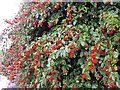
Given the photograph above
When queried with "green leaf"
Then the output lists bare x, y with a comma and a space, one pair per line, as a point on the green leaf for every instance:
88, 85
56, 21
53, 56
92, 47
69, 65
58, 53
115, 54
81, 54
80, 61
49, 60
102, 48
89, 63
74, 23
52, 62
69, 26
63, 41
64, 53
118, 83
80, 15
94, 85
37, 48
83, 43
64, 62
88, 76
67, 49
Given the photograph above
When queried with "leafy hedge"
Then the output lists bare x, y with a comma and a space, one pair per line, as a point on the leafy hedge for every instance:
65, 45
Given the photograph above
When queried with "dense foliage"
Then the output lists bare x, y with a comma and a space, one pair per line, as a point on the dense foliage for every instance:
65, 45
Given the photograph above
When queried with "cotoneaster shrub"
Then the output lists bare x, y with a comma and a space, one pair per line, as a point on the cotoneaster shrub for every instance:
65, 45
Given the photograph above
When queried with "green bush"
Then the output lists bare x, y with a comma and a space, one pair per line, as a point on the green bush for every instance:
65, 45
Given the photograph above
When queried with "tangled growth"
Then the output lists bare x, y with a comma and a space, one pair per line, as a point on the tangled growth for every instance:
65, 45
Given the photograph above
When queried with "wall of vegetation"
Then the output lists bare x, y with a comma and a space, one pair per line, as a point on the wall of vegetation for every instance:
65, 45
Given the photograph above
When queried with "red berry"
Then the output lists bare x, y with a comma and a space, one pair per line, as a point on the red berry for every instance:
58, 41
107, 3
57, 86
93, 56
84, 76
